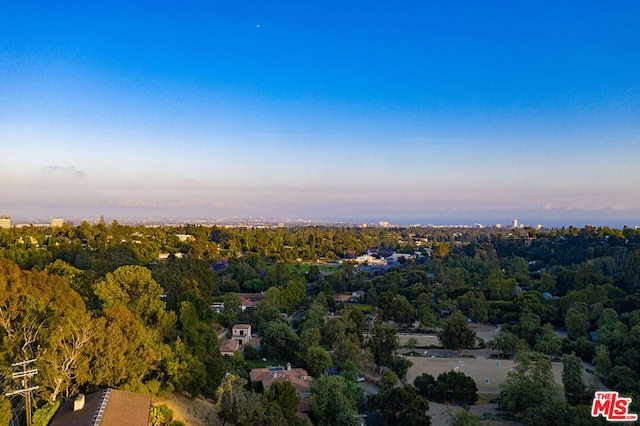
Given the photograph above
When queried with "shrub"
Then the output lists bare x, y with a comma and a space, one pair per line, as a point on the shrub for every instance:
43, 415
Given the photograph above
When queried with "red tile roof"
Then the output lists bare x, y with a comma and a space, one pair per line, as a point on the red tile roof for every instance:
297, 376
228, 346
242, 326
250, 299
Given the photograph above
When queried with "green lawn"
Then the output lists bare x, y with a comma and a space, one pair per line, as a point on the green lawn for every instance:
258, 363
303, 268
362, 307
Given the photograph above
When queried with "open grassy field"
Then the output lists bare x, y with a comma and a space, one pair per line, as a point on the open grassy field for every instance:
303, 268
478, 369
361, 307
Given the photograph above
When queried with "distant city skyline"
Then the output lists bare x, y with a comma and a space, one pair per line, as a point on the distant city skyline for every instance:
349, 112
20, 221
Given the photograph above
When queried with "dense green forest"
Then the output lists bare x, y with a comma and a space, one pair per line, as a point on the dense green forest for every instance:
128, 307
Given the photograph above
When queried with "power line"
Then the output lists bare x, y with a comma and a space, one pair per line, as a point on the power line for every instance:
24, 375
14, 418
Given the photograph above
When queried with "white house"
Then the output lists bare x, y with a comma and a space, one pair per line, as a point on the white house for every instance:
241, 333
371, 260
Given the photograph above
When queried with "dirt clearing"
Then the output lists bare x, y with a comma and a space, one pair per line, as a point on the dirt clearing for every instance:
192, 411
487, 373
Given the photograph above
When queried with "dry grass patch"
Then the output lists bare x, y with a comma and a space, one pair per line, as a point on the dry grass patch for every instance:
487, 373
192, 411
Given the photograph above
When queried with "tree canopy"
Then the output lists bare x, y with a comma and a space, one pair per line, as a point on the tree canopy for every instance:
456, 333
130, 307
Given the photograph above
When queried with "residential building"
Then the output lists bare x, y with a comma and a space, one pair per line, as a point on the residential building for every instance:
371, 260
108, 407
395, 257
217, 307
241, 333
32, 240
358, 296
249, 300
298, 377
165, 256
228, 347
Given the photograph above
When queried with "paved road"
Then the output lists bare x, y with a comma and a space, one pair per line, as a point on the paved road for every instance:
369, 388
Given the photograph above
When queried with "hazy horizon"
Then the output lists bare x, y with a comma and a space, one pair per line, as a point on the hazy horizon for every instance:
579, 221
407, 113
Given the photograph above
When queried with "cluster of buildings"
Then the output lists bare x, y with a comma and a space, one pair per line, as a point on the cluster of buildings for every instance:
372, 258
248, 300
5, 222
112, 407
241, 335
516, 225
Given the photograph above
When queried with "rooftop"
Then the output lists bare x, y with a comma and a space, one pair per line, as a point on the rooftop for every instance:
242, 326
298, 377
229, 346
118, 408
250, 299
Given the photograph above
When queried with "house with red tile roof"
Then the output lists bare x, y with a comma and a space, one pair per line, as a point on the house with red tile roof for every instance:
228, 347
249, 300
298, 377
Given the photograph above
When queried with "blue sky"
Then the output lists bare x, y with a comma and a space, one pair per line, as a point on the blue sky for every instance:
408, 112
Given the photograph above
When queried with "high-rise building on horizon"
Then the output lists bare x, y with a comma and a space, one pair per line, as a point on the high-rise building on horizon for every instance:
515, 223
5, 222
56, 223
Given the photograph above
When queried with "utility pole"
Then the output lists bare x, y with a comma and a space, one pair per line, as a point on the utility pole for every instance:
26, 390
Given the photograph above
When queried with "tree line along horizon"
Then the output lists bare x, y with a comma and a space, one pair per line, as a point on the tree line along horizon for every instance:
97, 308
